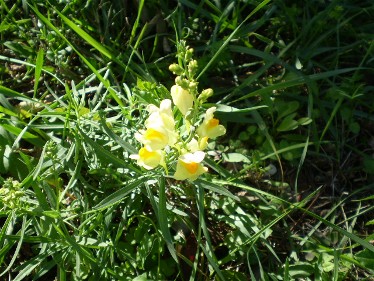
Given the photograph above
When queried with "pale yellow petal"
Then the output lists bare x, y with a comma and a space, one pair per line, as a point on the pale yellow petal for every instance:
149, 159
189, 166
210, 127
162, 120
182, 98
155, 139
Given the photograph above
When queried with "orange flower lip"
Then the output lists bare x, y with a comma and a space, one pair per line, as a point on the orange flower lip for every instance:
191, 167
213, 123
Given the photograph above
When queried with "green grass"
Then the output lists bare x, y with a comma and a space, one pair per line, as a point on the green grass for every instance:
289, 193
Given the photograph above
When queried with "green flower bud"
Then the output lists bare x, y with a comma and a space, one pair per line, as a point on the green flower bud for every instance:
176, 69
184, 83
193, 85
192, 67
189, 54
205, 94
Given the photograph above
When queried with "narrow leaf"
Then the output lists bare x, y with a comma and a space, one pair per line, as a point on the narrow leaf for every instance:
38, 69
226, 42
125, 145
105, 154
120, 194
163, 219
31, 138
216, 188
13, 94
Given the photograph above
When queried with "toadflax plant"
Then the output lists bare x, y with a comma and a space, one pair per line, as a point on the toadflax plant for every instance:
182, 137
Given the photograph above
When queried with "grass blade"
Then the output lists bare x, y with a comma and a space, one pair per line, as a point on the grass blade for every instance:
13, 94
38, 69
227, 41
85, 36
163, 219
18, 248
296, 81
23, 134
208, 249
216, 188
29, 266
98, 46
352, 236
85, 60
21, 62
119, 194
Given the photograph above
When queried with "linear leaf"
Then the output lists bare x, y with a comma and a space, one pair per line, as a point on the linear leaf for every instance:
226, 42
13, 94
120, 194
353, 237
163, 219
27, 267
216, 188
18, 248
105, 154
38, 69
31, 138
296, 81
125, 145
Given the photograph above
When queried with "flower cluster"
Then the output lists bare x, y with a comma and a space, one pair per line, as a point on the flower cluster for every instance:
165, 139
11, 194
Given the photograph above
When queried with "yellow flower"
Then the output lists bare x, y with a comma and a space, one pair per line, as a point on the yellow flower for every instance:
153, 139
189, 166
182, 98
160, 127
210, 127
148, 159
162, 116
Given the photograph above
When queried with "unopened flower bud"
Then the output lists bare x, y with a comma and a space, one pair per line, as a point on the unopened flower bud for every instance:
192, 67
189, 54
178, 80
192, 85
176, 69
184, 83
205, 94
182, 98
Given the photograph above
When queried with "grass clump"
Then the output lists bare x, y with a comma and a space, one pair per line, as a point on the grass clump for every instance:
287, 195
